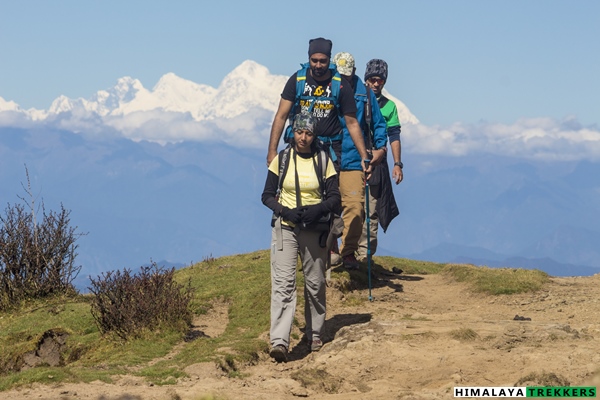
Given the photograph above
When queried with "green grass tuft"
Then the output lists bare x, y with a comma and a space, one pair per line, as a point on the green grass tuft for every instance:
497, 281
409, 267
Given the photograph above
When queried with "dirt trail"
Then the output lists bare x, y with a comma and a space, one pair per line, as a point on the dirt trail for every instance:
420, 337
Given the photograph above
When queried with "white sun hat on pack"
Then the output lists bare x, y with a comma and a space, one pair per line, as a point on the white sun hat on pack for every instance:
344, 62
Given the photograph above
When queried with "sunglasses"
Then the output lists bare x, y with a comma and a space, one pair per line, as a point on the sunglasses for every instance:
378, 81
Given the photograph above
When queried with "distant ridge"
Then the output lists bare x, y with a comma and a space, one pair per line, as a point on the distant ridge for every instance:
451, 253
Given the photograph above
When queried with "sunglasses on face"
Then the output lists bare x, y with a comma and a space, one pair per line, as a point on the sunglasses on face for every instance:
378, 81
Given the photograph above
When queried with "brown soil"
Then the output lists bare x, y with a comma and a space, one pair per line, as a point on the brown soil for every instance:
419, 337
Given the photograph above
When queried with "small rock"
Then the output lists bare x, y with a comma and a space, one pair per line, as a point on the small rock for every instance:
299, 392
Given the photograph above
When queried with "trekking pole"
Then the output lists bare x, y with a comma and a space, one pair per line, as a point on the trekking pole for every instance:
368, 229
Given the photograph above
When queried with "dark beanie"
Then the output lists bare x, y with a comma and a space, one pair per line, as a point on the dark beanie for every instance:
376, 67
319, 45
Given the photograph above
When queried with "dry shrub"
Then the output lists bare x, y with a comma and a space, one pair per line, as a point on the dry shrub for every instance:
464, 334
317, 379
36, 259
128, 304
543, 378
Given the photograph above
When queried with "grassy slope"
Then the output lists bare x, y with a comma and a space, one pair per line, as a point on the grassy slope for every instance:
243, 281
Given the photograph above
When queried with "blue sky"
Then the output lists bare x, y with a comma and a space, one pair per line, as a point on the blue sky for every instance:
450, 61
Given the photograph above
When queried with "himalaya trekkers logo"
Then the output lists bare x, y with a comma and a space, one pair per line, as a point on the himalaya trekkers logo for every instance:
530, 391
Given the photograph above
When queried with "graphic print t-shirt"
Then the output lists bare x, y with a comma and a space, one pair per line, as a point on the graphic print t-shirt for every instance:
324, 110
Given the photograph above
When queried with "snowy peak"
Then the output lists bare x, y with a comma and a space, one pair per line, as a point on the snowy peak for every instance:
62, 104
173, 93
248, 71
103, 102
249, 90
106, 101
124, 91
171, 83
248, 86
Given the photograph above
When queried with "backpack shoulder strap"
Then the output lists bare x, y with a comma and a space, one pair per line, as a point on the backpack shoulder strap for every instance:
284, 163
321, 170
300, 86
368, 109
368, 119
300, 80
336, 84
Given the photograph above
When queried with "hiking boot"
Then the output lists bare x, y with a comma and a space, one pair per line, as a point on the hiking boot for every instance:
279, 353
316, 345
350, 262
336, 259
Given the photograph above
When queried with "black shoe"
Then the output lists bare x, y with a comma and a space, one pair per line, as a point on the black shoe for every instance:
350, 262
279, 353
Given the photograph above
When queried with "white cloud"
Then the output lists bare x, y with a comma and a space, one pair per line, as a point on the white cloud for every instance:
250, 129
530, 138
15, 119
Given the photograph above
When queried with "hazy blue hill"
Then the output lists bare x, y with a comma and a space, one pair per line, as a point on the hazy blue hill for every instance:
546, 264
447, 252
568, 244
136, 205
500, 205
184, 201
585, 176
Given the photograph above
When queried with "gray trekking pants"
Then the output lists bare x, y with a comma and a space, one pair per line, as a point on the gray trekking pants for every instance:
284, 259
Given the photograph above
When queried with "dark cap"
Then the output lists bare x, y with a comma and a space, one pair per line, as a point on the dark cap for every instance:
320, 45
376, 67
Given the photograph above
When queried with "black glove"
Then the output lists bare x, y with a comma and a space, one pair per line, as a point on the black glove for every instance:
312, 214
291, 215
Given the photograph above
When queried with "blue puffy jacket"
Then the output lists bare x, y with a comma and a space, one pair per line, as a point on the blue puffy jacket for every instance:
351, 160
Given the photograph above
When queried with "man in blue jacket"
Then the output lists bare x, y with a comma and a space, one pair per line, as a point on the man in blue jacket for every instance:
352, 178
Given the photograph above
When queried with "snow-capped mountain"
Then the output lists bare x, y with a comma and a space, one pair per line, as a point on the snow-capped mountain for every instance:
248, 86
129, 106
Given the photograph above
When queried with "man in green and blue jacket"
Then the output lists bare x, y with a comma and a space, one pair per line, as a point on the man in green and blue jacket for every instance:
376, 74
